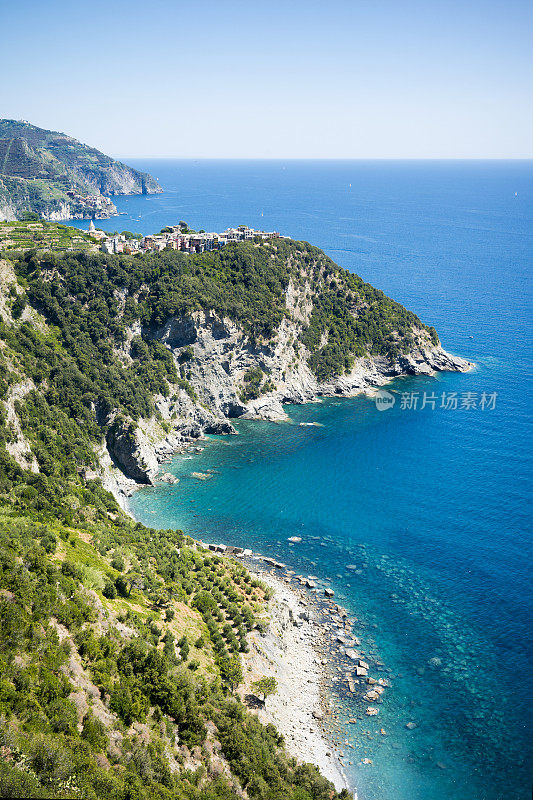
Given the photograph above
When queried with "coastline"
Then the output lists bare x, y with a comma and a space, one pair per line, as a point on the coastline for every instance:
153, 446
287, 651
295, 650
301, 648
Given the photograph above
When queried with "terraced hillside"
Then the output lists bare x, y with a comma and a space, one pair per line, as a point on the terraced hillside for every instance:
38, 168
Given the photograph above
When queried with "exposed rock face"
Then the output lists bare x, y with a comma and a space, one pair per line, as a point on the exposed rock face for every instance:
19, 447
137, 450
60, 163
119, 179
8, 209
215, 355
77, 210
223, 375
131, 452
222, 355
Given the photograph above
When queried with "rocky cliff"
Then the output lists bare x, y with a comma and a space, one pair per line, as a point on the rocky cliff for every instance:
219, 357
158, 350
38, 168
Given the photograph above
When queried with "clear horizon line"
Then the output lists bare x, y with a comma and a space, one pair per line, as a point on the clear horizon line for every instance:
326, 158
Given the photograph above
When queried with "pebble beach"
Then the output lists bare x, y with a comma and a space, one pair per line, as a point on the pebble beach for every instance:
308, 644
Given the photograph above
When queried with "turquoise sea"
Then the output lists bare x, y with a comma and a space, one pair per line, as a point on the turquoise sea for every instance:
432, 505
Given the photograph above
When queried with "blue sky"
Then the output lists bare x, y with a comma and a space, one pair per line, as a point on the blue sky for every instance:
337, 79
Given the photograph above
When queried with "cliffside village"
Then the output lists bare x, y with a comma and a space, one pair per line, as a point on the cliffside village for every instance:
96, 204
177, 237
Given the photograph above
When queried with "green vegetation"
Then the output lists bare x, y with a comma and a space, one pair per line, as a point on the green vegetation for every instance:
254, 386
100, 696
80, 293
119, 644
33, 234
352, 319
265, 686
39, 167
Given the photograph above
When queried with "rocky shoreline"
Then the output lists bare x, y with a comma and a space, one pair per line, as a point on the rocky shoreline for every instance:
132, 455
288, 651
215, 358
309, 647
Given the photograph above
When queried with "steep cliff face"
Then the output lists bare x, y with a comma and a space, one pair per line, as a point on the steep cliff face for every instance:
8, 209
158, 350
220, 357
19, 196
223, 357
38, 167
118, 178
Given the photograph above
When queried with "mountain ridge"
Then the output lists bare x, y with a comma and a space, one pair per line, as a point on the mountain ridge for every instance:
55, 176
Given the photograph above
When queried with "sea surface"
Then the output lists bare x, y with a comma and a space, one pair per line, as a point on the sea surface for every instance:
431, 505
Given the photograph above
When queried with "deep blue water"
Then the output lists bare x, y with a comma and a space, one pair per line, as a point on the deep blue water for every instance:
431, 505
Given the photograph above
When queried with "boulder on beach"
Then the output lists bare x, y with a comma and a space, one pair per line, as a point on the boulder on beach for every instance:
329, 592
295, 539
371, 711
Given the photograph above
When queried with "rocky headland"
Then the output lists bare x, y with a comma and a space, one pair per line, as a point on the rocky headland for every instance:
55, 176
166, 348
219, 357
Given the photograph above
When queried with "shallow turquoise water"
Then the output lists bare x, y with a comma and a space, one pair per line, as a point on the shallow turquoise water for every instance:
431, 505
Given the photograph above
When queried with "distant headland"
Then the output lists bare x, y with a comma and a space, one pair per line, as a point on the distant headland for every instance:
52, 176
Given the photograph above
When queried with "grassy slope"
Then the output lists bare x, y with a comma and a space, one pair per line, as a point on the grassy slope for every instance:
100, 694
